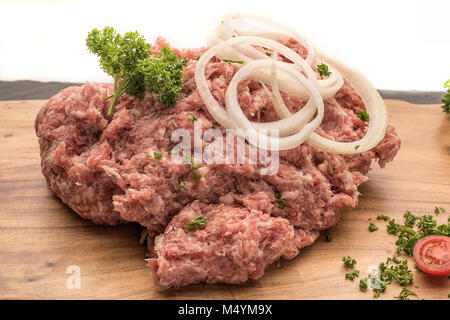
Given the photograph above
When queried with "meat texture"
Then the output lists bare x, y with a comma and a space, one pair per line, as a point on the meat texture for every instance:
104, 169
236, 244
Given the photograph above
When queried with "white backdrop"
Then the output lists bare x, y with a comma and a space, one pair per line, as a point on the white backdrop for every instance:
399, 45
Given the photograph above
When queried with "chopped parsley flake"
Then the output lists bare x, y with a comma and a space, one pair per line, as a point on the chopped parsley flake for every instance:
372, 227
182, 185
363, 115
356, 147
363, 284
197, 222
351, 275
158, 156
281, 205
405, 293
197, 176
193, 118
392, 270
328, 238
277, 195
439, 209
392, 227
268, 54
323, 70
411, 232
195, 166
410, 219
349, 262
383, 217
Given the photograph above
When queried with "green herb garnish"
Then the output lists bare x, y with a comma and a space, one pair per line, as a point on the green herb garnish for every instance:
158, 156
414, 229
439, 209
128, 60
349, 262
197, 222
363, 284
383, 217
392, 227
182, 185
193, 118
397, 270
328, 238
194, 166
351, 275
410, 219
323, 70
197, 175
405, 293
372, 227
281, 205
363, 115
446, 98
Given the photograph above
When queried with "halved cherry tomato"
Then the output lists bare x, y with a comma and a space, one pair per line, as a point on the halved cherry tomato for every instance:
432, 255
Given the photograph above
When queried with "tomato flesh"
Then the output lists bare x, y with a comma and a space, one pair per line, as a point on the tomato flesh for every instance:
432, 255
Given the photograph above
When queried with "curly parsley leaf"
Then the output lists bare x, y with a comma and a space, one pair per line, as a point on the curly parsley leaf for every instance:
128, 60
323, 70
351, 275
372, 227
349, 262
383, 217
363, 115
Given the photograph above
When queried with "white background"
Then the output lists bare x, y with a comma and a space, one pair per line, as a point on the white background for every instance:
399, 45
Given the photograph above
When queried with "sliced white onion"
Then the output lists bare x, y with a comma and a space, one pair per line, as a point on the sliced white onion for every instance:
218, 113
374, 106
226, 31
279, 105
262, 139
296, 128
328, 87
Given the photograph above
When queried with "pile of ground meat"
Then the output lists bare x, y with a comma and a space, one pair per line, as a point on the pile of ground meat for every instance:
100, 166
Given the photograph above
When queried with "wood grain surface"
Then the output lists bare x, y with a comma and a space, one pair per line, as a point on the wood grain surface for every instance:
40, 236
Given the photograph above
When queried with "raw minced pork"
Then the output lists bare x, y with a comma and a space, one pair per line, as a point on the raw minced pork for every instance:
99, 166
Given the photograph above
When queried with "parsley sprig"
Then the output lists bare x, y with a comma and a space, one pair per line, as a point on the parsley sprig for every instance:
128, 60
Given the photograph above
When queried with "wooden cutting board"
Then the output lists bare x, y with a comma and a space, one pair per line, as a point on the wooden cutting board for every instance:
40, 237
